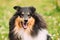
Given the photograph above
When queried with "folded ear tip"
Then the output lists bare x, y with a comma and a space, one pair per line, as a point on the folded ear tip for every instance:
33, 9
17, 7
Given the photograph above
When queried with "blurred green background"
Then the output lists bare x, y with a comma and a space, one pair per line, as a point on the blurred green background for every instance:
49, 9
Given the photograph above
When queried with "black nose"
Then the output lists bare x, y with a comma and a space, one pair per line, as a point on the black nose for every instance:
25, 21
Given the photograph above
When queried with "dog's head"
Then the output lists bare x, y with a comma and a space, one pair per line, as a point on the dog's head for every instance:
24, 19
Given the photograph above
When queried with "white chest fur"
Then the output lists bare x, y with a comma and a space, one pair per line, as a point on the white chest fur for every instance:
42, 35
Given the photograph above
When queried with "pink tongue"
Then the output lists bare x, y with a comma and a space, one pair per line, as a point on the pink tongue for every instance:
25, 26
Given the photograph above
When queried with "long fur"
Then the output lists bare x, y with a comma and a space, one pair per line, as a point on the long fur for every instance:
39, 28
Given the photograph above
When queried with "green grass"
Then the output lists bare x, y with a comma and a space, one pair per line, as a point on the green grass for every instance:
45, 7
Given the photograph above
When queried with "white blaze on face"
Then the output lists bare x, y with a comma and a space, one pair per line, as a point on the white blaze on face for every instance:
26, 17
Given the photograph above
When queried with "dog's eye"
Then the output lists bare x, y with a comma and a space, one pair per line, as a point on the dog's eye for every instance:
21, 15
29, 16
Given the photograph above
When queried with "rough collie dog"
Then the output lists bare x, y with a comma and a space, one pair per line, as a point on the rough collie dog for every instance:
26, 24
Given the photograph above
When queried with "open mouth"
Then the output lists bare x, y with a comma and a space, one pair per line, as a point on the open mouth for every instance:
24, 25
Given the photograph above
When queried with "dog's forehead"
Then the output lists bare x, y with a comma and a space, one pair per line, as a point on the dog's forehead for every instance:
25, 10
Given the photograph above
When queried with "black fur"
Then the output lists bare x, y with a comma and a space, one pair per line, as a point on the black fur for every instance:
39, 22
49, 37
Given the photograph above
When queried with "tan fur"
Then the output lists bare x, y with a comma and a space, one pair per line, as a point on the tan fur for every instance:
30, 24
18, 24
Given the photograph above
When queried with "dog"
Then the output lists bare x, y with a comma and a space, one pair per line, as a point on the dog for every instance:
27, 24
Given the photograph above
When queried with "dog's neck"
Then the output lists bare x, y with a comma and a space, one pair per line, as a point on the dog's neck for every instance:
42, 34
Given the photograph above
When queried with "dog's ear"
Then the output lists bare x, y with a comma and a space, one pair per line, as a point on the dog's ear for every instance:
17, 8
33, 9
